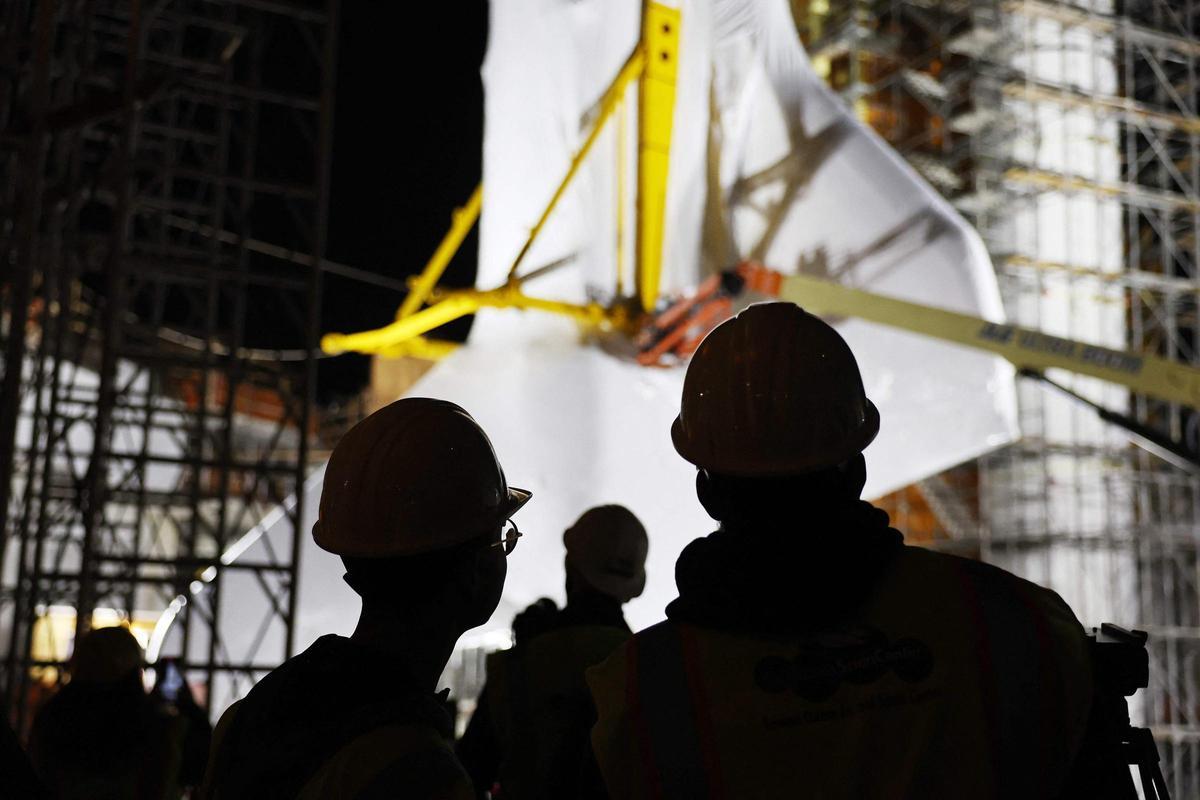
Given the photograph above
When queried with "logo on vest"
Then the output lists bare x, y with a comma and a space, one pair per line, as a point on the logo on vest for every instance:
861, 656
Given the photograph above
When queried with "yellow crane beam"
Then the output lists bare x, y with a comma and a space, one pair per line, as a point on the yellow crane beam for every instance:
1025, 348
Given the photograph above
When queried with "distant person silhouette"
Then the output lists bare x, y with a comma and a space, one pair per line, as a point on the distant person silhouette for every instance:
172, 691
415, 503
529, 734
810, 653
101, 737
17, 777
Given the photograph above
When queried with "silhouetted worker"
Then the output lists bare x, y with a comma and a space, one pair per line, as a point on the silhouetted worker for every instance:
172, 691
101, 737
810, 653
530, 730
17, 777
415, 503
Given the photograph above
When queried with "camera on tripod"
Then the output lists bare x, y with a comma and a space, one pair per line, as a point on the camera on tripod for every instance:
1120, 662
1121, 666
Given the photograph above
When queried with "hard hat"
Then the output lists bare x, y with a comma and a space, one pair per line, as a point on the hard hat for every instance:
608, 546
773, 391
105, 655
416, 476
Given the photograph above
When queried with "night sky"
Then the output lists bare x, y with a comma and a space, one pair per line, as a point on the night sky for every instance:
407, 150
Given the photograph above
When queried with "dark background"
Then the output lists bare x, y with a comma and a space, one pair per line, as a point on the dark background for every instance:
407, 150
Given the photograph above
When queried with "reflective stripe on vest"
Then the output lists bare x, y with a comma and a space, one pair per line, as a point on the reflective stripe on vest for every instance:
675, 731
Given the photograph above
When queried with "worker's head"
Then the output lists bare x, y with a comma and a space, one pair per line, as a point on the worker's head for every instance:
106, 656
606, 553
774, 412
416, 503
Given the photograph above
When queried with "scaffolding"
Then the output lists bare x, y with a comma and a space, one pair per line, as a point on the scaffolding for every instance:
1069, 133
159, 363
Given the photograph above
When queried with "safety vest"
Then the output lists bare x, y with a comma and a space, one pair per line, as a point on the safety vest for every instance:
409, 760
412, 758
541, 709
954, 680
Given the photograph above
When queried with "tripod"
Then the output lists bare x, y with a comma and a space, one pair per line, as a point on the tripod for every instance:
1142, 753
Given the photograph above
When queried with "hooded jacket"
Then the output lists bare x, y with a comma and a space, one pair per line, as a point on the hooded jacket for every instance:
823, 658
338, 721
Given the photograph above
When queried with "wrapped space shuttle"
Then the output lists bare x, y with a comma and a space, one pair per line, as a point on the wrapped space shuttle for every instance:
764, 162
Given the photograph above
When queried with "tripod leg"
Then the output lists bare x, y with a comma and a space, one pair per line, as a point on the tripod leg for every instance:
1149, 790
1160, 783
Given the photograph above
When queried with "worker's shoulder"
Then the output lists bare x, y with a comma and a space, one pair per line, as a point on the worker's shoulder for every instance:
589, 643
398, 759
225, 724
607, 679
990, 582
659, 649
625, 644
220, 733
229, 714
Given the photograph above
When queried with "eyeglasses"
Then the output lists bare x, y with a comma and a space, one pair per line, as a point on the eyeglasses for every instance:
508, 539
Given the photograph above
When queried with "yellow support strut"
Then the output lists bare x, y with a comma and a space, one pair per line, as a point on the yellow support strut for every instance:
461, 223
630, 72
1024, 347
656, 112
654, 62
396, 337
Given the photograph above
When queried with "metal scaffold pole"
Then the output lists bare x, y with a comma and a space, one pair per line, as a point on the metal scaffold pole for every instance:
1069, 133
159, 388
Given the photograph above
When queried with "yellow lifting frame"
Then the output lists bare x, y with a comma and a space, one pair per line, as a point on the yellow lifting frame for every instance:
656, 102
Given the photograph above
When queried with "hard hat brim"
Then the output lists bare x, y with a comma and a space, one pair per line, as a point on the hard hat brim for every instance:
783, 465
517, 498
